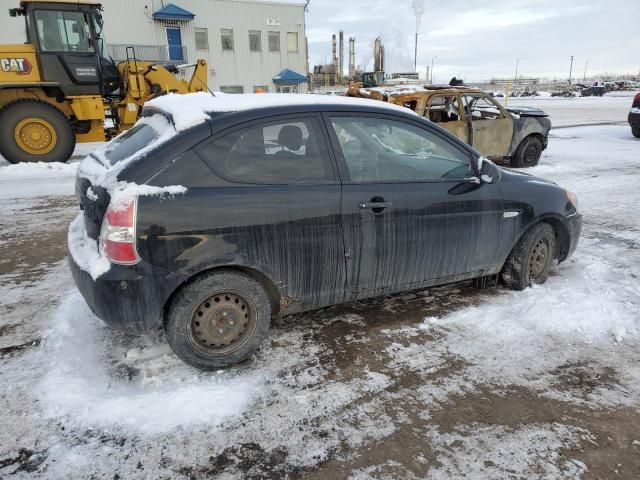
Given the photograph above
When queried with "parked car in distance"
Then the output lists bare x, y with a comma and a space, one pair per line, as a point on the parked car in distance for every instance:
293, 203
515, 134
634, 116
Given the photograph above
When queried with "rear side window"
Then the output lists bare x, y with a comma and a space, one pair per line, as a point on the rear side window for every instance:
281, 152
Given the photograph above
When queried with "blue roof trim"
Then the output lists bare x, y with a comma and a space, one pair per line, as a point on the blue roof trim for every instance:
173, 12
289, 77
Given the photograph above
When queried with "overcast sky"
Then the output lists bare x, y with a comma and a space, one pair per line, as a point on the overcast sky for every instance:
479, 40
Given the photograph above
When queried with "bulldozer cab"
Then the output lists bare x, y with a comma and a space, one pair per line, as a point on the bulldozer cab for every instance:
372, 79
70, 48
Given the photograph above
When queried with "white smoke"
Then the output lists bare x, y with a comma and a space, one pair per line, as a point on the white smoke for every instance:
418, 10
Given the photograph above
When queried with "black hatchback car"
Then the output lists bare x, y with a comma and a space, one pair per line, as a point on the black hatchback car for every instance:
213, 214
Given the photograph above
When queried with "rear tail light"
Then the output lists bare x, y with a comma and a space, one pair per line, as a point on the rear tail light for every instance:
636, 99
118, 234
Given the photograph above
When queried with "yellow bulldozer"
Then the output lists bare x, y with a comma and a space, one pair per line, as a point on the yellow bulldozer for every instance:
61, 86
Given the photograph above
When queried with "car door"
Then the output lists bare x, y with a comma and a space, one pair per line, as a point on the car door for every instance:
279, 210
491, 125
412, 210
447, 112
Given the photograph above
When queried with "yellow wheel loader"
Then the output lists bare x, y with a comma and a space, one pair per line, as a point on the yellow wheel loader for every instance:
60, 87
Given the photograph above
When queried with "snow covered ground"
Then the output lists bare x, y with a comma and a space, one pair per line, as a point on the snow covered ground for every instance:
612, 107
439, 383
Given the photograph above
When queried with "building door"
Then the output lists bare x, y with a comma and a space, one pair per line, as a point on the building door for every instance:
174, 40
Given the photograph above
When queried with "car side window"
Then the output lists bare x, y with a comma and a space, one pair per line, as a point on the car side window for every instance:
280, 152
480, 107
385, 150
444, 108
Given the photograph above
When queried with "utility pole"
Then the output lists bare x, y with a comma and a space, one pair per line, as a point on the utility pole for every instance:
515, 79
584, 77
431, 81
570, 69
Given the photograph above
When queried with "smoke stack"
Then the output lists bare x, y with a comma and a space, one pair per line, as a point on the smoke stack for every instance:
378, 55
334, 58
341, 61
352, 57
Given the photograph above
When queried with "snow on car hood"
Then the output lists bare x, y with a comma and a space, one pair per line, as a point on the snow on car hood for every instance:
191, 109
527, 111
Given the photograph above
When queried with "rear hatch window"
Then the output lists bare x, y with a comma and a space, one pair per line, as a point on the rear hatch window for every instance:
145, 135
131, 142
98, 172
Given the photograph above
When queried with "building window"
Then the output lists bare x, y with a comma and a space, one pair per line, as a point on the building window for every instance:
287, 89
274, 41
202, 39
261, 89
227, 38
255, 45
232, 89
292, 41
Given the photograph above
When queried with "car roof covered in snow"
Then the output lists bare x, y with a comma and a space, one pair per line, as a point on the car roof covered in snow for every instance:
186, 111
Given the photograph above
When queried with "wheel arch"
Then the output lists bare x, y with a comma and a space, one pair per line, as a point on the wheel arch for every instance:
273, 292
563, 239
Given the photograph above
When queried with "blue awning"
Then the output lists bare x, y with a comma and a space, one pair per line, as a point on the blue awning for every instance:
289, 77
173, 12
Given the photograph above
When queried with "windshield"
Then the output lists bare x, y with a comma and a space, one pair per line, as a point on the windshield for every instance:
97, 26
60, 31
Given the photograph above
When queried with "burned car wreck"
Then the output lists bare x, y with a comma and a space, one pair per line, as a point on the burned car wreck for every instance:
517, 135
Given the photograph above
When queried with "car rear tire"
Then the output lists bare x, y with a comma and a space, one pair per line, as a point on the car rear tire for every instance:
636, 131
528, 153
34, 131
218, 320
531, 258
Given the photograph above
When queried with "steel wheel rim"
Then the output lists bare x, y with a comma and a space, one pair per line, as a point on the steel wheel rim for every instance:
530, 154
35, 136
222, 323
538, 260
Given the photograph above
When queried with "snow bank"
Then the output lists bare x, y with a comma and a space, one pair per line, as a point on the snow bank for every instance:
192, 109
37, 170
84, 250
81, 386
25, 180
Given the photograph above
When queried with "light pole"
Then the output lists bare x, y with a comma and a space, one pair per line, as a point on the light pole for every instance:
570, 69
515, 79
432, 59
584, 77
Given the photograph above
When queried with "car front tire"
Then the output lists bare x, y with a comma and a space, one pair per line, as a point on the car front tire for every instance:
530, 260
218, 320
636, 131
528, 153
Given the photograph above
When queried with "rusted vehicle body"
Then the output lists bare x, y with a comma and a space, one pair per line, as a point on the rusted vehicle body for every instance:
518, 134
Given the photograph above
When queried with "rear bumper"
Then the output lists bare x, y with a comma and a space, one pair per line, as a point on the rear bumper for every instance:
634, 119
127, 298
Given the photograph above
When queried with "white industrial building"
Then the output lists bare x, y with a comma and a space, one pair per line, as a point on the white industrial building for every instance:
250, 45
